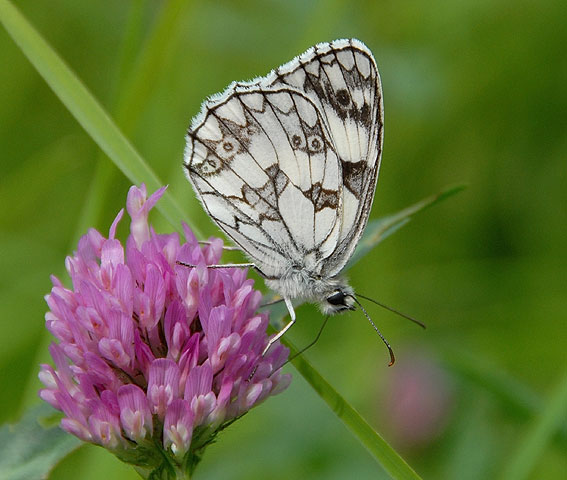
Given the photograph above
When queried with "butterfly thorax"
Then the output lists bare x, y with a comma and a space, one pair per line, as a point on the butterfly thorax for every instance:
333, 295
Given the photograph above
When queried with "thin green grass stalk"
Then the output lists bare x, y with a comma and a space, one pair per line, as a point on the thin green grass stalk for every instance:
105, 170
379, 229
85, 108
137, 87
149, 65
539, 435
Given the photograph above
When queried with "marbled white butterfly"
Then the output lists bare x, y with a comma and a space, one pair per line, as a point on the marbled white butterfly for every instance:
287, 164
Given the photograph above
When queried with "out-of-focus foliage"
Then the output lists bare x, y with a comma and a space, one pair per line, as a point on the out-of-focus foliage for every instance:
474, 92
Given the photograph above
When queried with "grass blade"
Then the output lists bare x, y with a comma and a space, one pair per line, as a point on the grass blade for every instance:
30, 450
539, 434
384, 454
84, 107
378, 230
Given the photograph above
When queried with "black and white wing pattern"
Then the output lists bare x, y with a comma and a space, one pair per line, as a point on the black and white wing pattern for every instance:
287, 164
342, 79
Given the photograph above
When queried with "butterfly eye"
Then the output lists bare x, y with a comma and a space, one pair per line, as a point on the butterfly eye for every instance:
336, 298
315, 143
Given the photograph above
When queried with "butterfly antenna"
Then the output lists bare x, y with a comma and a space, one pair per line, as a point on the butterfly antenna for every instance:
390, 351
393, 310
304, 349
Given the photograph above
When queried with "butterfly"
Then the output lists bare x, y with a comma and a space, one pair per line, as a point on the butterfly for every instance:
287, 164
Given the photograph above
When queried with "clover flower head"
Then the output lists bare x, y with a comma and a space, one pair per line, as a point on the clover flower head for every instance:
151, 352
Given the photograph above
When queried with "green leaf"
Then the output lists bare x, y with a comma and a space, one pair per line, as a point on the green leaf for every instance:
380, 229
85, 108
29, 451
539, 434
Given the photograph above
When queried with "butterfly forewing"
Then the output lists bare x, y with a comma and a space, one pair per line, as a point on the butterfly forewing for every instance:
287, 164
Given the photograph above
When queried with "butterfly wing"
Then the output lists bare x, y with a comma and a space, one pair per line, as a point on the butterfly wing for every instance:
264, 165
342, 80
287, 164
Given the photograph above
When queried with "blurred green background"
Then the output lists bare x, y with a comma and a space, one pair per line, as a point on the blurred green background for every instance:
475, 92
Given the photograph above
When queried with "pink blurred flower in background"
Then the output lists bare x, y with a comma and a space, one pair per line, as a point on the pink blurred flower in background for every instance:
419, 398
153, 358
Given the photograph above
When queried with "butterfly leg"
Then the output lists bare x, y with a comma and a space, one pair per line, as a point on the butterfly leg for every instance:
274, 301
233, 265
274, 339
224, 247
227, 265
222, 265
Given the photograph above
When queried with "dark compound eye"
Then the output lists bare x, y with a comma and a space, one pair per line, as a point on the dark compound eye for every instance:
337, 298
343, 97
